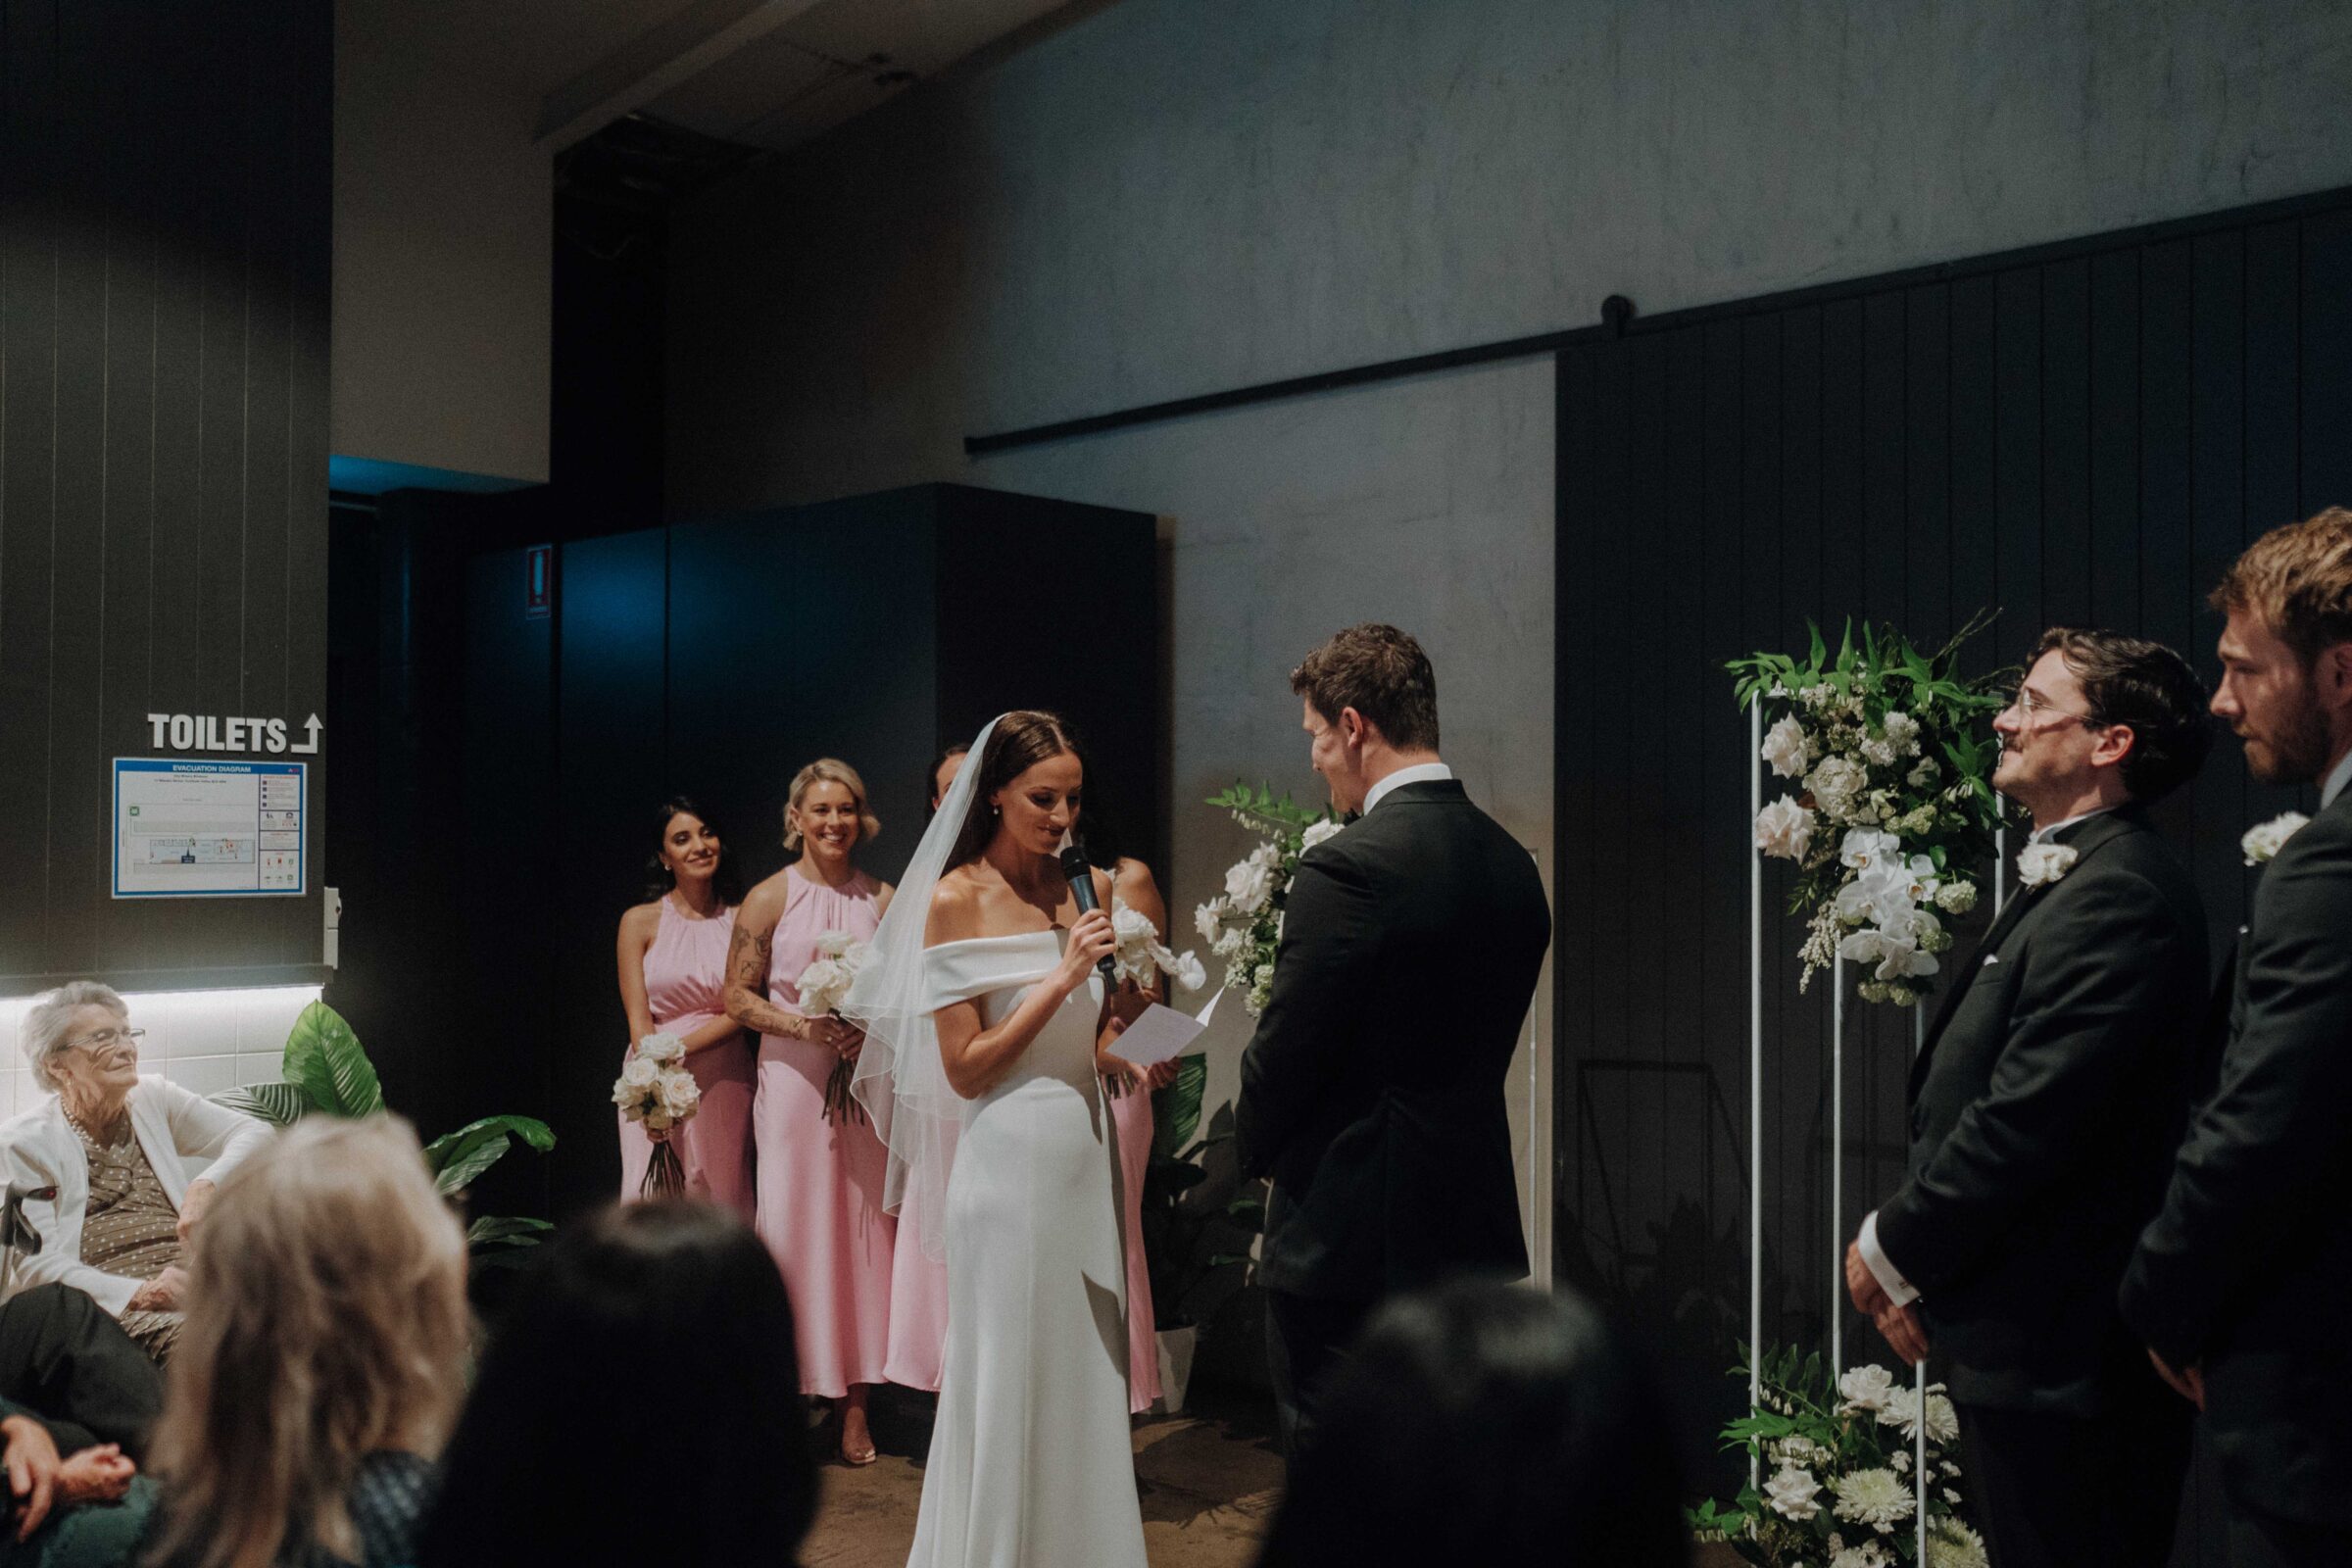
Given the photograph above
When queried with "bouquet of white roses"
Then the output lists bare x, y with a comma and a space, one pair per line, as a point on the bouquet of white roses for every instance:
1893, 801
1835, 1458
1244, 925
823, 985
656, 1089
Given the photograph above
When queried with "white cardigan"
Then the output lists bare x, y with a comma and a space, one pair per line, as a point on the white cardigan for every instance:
172, 1124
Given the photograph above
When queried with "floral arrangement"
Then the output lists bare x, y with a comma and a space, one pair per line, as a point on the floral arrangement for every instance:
657, 1089
1244, 924
1838, 1491
823, 986
2265, 840
1892, 801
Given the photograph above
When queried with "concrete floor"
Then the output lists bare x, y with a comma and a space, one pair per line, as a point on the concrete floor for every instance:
1209, 1482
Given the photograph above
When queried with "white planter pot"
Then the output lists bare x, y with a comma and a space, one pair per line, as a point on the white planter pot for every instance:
1175, 1367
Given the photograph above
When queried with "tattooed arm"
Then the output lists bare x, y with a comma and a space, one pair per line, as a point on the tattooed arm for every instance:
749, 952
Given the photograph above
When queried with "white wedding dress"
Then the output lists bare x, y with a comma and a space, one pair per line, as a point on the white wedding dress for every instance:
1030, 1464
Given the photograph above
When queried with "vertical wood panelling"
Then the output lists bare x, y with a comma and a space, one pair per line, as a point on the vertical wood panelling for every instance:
2087, 437
163, 230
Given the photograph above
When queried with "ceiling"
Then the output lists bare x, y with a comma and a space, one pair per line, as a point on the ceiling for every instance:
767, 73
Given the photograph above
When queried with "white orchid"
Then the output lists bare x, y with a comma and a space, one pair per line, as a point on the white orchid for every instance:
1865, 848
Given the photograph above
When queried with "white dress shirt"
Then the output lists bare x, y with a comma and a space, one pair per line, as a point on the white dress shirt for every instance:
1418, 773
2336, 781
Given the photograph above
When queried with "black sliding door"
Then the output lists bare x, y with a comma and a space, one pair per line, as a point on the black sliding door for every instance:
2086, 434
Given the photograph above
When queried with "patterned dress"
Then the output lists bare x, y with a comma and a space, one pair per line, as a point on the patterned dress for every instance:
131, 1228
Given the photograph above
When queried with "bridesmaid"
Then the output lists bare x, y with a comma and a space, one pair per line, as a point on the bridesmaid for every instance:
918, 1282
673, 964
1132, 884
819, 1177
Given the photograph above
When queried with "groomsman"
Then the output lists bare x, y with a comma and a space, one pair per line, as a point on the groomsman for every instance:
2045, 1110
1372, 1091
2240, 1283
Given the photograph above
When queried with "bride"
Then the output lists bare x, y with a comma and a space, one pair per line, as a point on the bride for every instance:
985, 1026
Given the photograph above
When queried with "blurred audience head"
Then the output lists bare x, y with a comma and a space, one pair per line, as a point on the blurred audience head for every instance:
1486, 1423
640, 1402
689, 846
326, 1323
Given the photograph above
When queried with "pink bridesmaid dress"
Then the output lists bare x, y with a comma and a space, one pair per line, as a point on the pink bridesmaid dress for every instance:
919, 1304
685, 977
819, 1180
1131, 1119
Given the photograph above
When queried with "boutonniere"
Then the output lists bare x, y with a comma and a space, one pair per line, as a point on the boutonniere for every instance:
2264, 841
2041, 864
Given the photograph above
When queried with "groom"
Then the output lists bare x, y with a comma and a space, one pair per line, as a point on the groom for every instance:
1372, 1092
2045, 1107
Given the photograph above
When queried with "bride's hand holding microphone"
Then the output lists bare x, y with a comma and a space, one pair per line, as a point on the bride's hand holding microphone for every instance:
1091, 942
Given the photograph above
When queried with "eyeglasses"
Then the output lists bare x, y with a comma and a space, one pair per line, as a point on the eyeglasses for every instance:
102, 1039
2037, 709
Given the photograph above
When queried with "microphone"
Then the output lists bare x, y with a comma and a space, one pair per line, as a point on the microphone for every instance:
1082, 888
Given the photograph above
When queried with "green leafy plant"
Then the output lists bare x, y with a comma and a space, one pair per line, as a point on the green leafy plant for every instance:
1175, 1221
1893, 812
329, 1074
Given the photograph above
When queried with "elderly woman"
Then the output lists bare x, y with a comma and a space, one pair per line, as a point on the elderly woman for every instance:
114, 1147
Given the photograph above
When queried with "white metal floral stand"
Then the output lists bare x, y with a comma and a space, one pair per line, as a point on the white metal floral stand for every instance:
1755, 1132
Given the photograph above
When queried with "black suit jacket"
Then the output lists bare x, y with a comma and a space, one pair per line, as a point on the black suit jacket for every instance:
1373, 1090
2247, 1267
2045, 1107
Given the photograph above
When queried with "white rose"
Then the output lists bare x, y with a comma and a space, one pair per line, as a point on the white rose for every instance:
661, 1047
1791, 1493
1834, 783
640, 1072
681, 1095
1864, 1388
1318, 833
822, 986
1785, 749
2040, 864
1785, 829
1249, 884
2264, 841
833, 944
1188, 972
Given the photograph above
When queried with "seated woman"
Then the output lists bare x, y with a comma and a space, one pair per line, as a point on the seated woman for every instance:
640, 1403
111, 1148
323, 1360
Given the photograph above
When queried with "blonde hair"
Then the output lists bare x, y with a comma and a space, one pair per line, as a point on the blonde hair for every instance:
2296, 580
830, 771
326, 1322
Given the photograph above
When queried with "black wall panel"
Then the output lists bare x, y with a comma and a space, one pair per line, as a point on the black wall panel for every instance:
715, 658
164, 236
2087, 434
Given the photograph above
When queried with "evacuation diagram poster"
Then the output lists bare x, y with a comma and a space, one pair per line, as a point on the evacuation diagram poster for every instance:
207, 830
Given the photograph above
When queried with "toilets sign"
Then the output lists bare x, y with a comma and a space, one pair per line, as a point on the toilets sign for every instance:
215, 732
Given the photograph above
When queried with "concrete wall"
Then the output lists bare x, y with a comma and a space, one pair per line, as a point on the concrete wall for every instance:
1170, 197
444, 239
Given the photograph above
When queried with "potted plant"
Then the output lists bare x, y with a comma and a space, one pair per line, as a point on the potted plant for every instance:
1179, 1215
326, 1073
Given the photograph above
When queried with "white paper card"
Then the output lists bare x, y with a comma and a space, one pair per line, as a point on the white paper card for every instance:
1159, 1035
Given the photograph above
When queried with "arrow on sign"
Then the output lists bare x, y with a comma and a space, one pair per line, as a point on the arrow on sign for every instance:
314, 727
